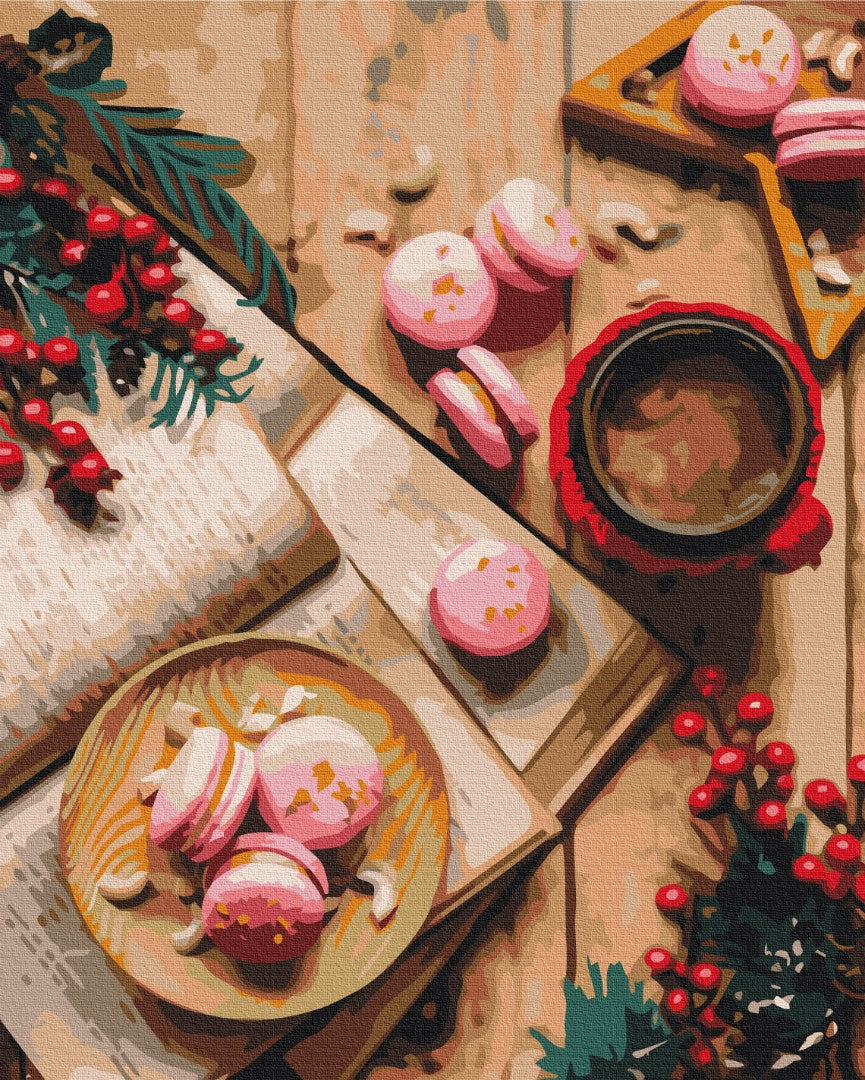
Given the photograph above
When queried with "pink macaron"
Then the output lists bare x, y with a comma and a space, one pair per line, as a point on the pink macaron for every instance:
740, 67
204, 795
319, 781
490, 598
264, 901
835, 154
528, 235
818, 114
437, 291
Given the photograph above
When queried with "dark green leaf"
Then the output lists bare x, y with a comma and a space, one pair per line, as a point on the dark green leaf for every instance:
72, 51
39, 126
181, 386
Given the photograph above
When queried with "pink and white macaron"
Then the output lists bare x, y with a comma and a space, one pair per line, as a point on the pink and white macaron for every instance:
741, 66
437, 291
527, 236
204, 795
490, 598
264, 901
319, 781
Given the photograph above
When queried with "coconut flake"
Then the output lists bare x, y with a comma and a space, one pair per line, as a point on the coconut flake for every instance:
179, 724
817, 46
384, 897
190, 937
829, 271
118, 887
293, 699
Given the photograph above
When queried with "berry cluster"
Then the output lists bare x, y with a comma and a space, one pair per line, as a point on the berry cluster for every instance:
122, 267
841, 871
30, 374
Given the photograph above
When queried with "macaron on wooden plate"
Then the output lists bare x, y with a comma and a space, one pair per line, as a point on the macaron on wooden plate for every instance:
104, 828
638, 94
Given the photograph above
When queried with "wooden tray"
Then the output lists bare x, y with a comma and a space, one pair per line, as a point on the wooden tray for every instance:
103, 827
790, 212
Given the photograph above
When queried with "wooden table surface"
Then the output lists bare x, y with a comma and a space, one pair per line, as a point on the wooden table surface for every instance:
474, 90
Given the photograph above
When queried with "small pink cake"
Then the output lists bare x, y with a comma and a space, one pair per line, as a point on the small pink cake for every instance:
529, 236
264, 902
503, 389
437, 291
490, 598
319, 781
466, 404
204, 795
836, 154
818, 114
740, 67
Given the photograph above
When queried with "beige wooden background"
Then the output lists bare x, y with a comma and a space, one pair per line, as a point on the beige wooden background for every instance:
346, 104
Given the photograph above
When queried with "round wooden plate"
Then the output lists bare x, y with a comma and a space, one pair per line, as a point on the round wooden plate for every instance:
103, 828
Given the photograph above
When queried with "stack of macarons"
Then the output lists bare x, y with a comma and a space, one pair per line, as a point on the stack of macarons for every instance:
821, 139
490, 598
317, 784
441, 290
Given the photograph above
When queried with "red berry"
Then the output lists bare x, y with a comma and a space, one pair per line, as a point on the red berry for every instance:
701, 1053
141, 229
809, 868
11, 465
37, 411
710, 1019
158, 278
705, 798
784, 785
164, 243
60, 351
680, 969
671, 898
676, 1001
105, 302
11, 183
709, 680
658, 960
856, 769
92, 473
103, 221
12, 348
56, 189
859, 888
822, 795
729, 761
843, 850
771, 814
777, 757
208, 342
705, 976
72, 252
182, 313
836, 883
755, 711
688, 725
69, 439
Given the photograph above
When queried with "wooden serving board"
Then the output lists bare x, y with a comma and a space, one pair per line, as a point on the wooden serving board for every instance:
790, 212
210, 533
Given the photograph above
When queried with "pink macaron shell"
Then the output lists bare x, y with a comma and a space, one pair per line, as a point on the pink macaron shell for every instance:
818, 114
185, 793
555, 248
442, 301
499, 262
263, 912
741, 66
470, 418
319, 781
263, 844
221, 825
490, 598
503, 389
823, 156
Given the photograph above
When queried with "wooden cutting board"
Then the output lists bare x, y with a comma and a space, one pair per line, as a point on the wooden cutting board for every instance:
210, 533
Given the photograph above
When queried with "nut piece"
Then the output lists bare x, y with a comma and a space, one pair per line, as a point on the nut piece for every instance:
818, 45
150, 784
294, 698
384, 898
844, 55
638, 87
817, 243
190, 937
118, 886
614, 216
179, 723
829, 271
